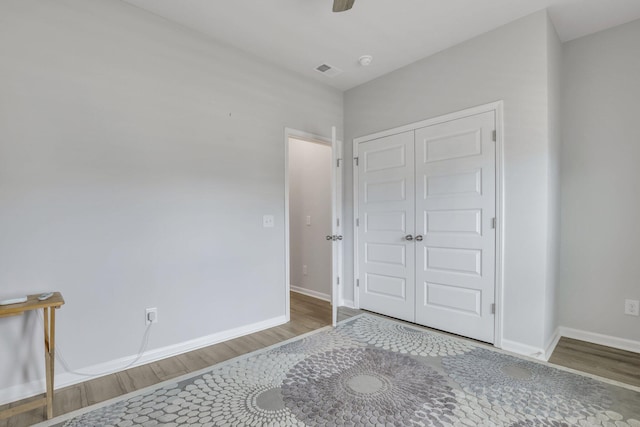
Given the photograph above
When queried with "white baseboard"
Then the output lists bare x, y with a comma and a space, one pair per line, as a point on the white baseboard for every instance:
348, 303
551, 344
601, 339
523, 349
562, 331
311, 293
65, 379
22, 391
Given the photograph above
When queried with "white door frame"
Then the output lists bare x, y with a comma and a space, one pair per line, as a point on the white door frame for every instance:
498, 108
337, 224
304, 136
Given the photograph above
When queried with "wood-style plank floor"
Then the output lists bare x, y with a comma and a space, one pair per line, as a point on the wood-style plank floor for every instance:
607, 362
307, 314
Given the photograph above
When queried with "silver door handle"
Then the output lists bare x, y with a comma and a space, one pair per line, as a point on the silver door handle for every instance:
338, 237
408, 237
419, 238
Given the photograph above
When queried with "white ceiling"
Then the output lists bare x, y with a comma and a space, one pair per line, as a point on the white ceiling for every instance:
302, 34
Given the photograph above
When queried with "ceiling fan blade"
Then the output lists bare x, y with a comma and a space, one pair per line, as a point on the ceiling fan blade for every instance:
342, 5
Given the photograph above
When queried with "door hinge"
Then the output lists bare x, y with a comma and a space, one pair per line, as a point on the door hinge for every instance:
493, 222
357, 283
493, 309
494, 135
338, 280
357, 161
357, 222
338, 162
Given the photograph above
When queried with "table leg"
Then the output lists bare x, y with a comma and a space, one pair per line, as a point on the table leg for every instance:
49, 355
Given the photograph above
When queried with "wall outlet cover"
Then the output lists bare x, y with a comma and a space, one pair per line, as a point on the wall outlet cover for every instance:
632, 307
268, 221
150, 316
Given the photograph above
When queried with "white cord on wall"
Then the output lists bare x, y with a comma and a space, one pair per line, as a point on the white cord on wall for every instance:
141, 351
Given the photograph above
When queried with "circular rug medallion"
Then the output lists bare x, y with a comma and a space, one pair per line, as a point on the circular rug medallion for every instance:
362, 387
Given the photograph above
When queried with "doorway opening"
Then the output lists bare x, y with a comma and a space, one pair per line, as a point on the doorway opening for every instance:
310, 218
326, 235
308, 221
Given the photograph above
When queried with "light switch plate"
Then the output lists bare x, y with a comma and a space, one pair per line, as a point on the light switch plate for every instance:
268, 221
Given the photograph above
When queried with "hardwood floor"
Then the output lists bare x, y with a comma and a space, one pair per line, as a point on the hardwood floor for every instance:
307, 314
607, 362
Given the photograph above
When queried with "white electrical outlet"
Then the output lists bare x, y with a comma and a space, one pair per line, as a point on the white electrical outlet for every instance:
304, 270
268, 221
150, 316
632, 307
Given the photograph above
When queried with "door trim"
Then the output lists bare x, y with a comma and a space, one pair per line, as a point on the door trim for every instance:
498, 108
337, 224
305, 136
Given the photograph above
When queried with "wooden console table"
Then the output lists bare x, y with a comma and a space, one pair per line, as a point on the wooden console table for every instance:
49, 307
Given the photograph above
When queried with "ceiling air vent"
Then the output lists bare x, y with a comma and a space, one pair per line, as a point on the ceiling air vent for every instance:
328, 70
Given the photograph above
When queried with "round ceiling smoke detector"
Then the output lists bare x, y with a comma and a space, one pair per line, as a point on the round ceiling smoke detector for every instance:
365, 60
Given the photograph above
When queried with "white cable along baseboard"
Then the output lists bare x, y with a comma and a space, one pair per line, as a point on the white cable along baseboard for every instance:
65, 379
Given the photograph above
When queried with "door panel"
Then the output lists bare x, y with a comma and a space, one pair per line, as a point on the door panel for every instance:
452, 146
385, 191
453, 298
385, 158
455, 206
385, 221
466, 182
385, 253
452, 260
386, 286
461, 221
387, 210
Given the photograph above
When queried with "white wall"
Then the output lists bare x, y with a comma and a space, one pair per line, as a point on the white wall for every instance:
310, 195
600, 180
510, 64
554, 82
136, 161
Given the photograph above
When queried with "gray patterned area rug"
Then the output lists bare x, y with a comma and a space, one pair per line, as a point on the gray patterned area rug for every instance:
373, 371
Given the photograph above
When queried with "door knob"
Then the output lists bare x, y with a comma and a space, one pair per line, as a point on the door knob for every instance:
329, 237
419, 238
339, 237
408, 237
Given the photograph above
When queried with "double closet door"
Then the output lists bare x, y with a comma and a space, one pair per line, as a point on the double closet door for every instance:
426, 226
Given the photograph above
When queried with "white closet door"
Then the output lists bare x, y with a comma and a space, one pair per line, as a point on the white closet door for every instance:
455, 209
387, 209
